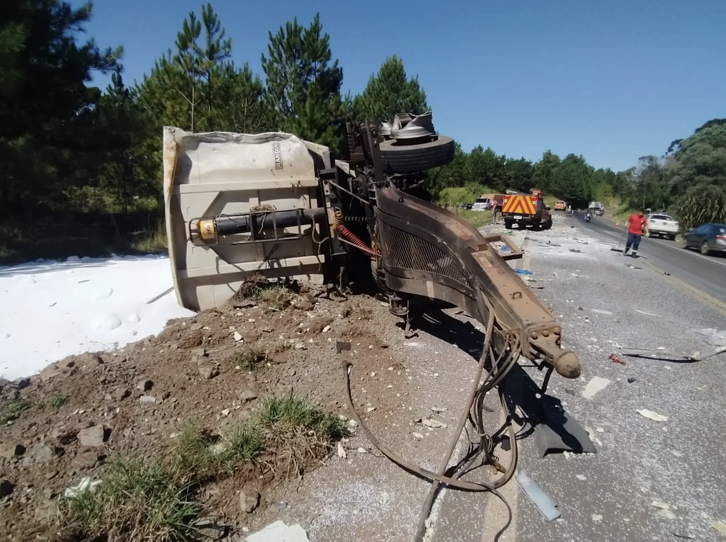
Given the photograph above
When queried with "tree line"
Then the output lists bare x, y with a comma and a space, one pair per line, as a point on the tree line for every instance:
69, 149
66, 146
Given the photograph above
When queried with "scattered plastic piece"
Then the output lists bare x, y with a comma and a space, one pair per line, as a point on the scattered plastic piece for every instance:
279, 532
86, 484
543, 502
523, 272
596, 384
652, 415
720, 527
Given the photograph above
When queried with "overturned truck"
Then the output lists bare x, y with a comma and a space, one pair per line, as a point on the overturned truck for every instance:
273, 204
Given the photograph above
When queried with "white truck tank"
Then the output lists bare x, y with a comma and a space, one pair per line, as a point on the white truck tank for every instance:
208, 175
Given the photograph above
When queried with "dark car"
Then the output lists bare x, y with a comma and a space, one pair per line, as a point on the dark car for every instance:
707, 238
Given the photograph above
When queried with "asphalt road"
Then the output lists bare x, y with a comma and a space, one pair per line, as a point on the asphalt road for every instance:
704, 273
649, 480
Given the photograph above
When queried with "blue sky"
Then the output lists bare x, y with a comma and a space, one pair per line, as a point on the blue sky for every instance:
611, 80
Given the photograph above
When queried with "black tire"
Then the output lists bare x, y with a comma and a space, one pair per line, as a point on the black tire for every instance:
705, 248
672, 237
401, 158
508, 224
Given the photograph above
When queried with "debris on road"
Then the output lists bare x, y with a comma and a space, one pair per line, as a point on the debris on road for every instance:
433, 424
598, 311
696, 356
664, 510
523, 272
86, 484
652, 415
543, 502
279, 532
341, 451
616, 359
596, 384
720, 527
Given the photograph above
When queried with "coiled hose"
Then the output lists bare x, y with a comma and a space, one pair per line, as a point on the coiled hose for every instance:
473, 412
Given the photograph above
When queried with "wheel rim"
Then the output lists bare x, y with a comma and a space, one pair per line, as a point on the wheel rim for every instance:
705, 248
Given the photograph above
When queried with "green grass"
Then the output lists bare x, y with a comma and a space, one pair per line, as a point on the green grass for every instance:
55, 401
151, 241
134, 502
140, 501
358, 312
272, 297
300, 427
475, 218
250, 358
13, 410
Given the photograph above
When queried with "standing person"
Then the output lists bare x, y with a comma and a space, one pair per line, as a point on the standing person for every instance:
494, 210
636, 227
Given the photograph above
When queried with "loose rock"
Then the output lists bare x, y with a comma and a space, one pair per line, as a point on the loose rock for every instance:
44, 453
249, 500
121, 393
247, 396
145, 384
93, 437
208, 372
147, 399
9, 451
88, 361
86, 459
305, 306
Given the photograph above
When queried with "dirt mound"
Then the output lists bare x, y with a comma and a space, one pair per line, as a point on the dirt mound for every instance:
215, 369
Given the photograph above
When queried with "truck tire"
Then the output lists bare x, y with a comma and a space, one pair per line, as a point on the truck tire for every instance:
401, 158
508, 224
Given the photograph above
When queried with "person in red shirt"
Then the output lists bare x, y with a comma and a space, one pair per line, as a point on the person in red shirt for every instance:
636, 227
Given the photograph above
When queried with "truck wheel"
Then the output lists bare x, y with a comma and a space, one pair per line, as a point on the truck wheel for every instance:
508, 224
401, 158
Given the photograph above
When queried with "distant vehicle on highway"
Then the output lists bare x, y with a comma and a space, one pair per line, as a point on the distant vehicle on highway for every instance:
708, 238
662, 225
560, 205
599, 211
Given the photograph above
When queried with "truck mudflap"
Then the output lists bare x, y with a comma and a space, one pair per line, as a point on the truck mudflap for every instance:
428, 251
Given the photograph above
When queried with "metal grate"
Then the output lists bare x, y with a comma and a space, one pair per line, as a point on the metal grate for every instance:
405, 250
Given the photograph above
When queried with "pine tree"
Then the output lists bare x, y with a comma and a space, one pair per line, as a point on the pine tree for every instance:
303, 83
389, 93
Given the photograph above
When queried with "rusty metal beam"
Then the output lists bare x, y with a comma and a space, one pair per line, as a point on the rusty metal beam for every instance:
428, 251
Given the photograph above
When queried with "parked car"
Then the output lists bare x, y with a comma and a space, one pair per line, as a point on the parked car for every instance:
482, 204
467, 206
560, 205
662, 225
707, 238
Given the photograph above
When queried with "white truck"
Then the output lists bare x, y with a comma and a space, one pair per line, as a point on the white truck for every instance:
596, 207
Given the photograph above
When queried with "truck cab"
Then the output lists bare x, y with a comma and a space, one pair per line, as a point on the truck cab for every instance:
526, 210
